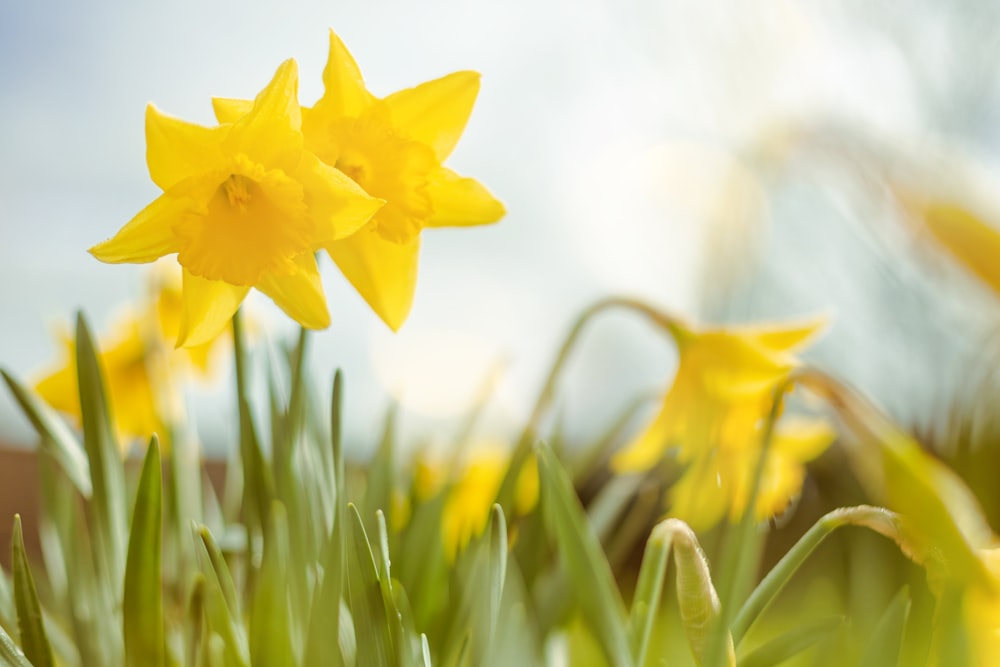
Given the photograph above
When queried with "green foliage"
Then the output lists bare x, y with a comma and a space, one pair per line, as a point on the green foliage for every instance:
303, 561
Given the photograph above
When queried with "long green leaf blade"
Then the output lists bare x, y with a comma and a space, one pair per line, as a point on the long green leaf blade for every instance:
106, 470
56, 437
10, 654
270, 621
581, 554
143, 595
29, 612
365, 597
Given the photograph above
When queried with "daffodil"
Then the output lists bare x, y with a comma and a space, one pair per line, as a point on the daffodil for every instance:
473, 491
713, 416
244, 205
394, 148
130, 368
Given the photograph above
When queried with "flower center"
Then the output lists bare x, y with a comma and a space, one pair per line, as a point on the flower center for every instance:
237, 191
388, 165
253, 220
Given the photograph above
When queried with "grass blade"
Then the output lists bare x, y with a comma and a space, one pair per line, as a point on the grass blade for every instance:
221, 614
270, 621
106, 470
581, 554
143, 595
322, 643
793, 642
56, 437
374, 643
29, 611
887, 638
10, 654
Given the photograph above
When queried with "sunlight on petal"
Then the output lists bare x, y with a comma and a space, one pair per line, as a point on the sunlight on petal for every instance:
460, 201
209, 305
435, 112
146, 237
299, 294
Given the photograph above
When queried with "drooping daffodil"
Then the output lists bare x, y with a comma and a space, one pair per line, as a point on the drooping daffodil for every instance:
394, 148
244, 205
713, 416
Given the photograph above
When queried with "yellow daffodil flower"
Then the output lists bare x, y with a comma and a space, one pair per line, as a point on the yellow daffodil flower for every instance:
394, 148
243, 205
129, 370
473, 493
717, 485
713, 416
966, 237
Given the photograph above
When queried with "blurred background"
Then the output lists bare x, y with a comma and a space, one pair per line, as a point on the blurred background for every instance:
731, 161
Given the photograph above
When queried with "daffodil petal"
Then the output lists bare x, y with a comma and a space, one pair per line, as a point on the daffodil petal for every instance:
789, 337
270, 133
646, 450
177, 149
698, 497
344, 88
803, 439
383, 272
969, 239
337, 205
435, 112
300, 293
460, 201
146, 237
209, 305
230, 110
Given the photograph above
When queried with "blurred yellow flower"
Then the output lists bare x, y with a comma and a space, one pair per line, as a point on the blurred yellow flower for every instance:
394, 148
243, 205
129, 367
713, 416
969, 239
473, 493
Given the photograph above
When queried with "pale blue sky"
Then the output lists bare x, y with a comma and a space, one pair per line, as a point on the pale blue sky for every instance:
611, 130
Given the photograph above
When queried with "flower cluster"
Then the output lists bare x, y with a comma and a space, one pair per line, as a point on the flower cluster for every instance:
248, 203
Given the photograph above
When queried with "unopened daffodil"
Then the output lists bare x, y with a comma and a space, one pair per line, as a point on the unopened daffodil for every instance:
713, 417
394, 148
244, 205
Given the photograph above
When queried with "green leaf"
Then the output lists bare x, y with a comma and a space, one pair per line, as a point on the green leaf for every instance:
143, 595
793, 642
106, 470
322, 643
365, 597
581, 555
270, 621
399, 636
29, 611
887, 639
56, 437
222, 618
10, 654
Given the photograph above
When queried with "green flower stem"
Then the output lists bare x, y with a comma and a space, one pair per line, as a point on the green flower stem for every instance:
738, 562
526, 442
876, 518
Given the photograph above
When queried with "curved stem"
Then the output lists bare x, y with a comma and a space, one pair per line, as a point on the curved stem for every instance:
546, 396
